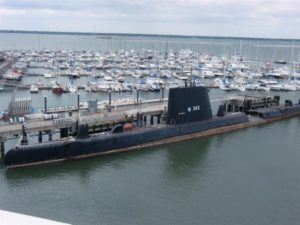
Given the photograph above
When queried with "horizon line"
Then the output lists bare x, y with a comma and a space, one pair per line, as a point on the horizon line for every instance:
139, 34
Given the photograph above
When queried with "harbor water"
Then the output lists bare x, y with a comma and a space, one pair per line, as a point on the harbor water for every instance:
244, 177
254, 49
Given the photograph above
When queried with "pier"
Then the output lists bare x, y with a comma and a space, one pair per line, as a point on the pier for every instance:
99, 121
69, 116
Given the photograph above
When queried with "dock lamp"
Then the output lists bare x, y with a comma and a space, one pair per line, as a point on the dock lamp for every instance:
137, 95
162, 92
45, 103
109, 99
78, 101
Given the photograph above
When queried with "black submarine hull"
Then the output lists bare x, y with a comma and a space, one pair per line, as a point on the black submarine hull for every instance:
54, 151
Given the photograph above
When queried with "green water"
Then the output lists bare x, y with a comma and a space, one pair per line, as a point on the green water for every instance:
245, 177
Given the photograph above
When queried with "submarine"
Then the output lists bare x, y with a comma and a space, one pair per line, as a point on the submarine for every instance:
188, 115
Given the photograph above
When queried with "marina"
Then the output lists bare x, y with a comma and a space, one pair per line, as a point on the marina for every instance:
120, 77
202, 160
133, 72
239, 65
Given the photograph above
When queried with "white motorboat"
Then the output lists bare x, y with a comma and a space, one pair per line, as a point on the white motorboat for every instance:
262, 87
288, 87
108, 78
12, 75
103, 87
238, 87
283, 87
48, 75
34, 89
72, 88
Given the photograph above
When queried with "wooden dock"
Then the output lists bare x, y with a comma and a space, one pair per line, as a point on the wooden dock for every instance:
104, 117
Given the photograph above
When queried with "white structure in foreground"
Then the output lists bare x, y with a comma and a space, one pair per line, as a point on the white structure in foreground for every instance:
10, 218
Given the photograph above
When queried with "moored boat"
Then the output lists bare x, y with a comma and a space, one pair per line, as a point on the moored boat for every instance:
57, 88
34, 89
12, 75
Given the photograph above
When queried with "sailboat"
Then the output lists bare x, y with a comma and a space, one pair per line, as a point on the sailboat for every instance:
279, 59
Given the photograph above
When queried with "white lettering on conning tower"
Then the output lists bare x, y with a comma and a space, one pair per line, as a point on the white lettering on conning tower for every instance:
193, 108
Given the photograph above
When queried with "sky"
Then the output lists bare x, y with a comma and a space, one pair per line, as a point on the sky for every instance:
235, 18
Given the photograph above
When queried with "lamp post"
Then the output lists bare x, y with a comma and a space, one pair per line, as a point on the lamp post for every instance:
137, 95
162, 93
109, 100
45, 103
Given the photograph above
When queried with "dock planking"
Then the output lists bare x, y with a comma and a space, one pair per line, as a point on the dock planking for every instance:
117, 114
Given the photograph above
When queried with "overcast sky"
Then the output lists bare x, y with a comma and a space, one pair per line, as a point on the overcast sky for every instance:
242, 18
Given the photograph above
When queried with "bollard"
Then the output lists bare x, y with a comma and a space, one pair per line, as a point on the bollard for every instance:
50, 135
63, 132
24, 140
78, 101
2, 149
162, 93
141, 119
45, 104
137, 96
151, 120
109, 100
40, 137
137, 120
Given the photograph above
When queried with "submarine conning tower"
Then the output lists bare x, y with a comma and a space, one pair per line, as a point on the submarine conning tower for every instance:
188, 104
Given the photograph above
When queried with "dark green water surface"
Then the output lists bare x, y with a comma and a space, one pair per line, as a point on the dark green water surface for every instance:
245, 177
